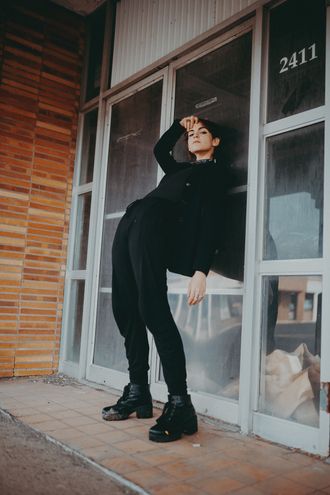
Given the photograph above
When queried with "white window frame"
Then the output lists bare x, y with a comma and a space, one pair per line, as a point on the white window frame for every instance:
307, 438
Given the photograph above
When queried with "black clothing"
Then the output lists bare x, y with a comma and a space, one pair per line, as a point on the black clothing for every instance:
139, 293
173, 227
198, 190
178, 417
135, 398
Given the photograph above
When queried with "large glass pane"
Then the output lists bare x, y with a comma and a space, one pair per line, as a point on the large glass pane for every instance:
296, 75
132, 172
109, 350
82, 231
109, 229
75, 320
294, 194
88, 147
96, 25
290, 355
211, 333
132, 169
217, 87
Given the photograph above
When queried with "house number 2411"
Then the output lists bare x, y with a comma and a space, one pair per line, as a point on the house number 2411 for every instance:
298, 58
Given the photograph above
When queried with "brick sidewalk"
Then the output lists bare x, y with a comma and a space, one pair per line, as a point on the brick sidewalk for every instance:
214, 461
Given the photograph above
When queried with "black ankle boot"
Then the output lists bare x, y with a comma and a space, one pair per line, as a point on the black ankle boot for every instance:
135, 398
179, 416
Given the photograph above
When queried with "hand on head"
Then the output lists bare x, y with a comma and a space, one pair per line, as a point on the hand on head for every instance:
189, 122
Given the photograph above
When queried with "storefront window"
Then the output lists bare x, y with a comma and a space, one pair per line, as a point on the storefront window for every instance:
217, 87
82, 231
88, 147
132, 168
75, 320
294, 194
296, 70
290, 362
132, 173
211, 334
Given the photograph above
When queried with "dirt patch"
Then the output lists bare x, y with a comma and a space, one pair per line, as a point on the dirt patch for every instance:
32, 465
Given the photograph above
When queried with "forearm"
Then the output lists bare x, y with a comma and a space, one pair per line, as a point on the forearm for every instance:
165, 145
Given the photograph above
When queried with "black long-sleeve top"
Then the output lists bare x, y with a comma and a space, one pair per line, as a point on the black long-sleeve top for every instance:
198, 188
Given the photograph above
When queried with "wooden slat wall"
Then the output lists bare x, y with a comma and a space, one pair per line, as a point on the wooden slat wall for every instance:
41, 52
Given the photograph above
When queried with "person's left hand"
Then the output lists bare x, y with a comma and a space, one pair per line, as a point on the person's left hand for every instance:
196, 288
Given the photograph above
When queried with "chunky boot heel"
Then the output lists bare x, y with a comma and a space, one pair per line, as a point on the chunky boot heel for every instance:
135, 398
144, 411
191, 426
178, 417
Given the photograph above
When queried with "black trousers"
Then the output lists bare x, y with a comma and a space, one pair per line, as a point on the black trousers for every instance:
139, 292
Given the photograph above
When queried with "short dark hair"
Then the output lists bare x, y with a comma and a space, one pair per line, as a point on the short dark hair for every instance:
215, 132
212, 127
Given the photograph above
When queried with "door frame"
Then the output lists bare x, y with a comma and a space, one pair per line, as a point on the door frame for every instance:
307, 438
96, 373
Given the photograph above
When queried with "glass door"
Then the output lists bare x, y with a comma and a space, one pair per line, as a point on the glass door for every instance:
131, 173
216, 85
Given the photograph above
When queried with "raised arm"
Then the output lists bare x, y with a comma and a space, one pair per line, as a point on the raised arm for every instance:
165, 145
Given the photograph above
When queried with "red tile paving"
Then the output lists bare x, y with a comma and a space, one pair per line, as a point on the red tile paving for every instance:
214, 461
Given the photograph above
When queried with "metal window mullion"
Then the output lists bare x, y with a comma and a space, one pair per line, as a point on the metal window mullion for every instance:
71, 242
248, 315
100, 175
324, 430
302, 119
92, 237
308, 266
77, 274
82, 189
325, 365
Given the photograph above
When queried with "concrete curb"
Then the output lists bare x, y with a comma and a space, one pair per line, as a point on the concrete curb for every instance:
112, 474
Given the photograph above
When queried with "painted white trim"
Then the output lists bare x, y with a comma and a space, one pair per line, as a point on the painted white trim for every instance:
292, 267
324, 433
83, 188
315, 440
288, 433
100, 180
297, 121
250, 230
325, 363
95, 252
71, 242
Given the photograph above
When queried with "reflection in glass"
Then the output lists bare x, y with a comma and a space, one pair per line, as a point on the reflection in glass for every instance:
109, 229
132, 169
217, 87
296, 72
211, 334
294, 194
82, 231
88, 147
109, 350
132, 173
96, 24
290, 361
75, 320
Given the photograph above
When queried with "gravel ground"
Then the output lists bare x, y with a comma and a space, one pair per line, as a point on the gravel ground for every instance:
32, 465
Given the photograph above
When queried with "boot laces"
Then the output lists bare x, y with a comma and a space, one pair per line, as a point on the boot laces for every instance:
167, 414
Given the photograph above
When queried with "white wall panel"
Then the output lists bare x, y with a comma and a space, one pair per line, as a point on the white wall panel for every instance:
147, 30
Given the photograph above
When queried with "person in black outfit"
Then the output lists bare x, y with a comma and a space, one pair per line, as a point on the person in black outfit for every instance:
173, 227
